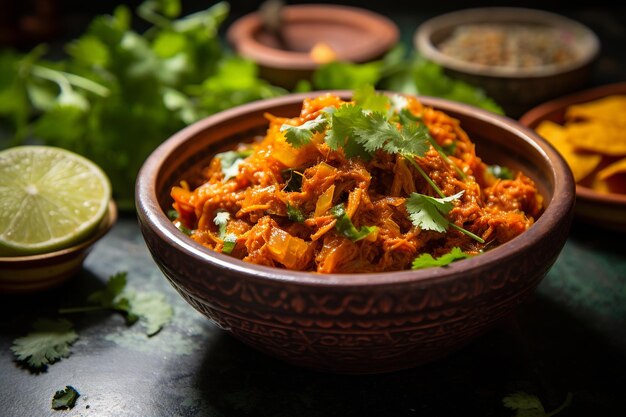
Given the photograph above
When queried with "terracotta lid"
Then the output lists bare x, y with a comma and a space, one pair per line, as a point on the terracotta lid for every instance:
353, 34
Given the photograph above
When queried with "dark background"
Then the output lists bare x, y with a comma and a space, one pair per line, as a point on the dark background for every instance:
26, 23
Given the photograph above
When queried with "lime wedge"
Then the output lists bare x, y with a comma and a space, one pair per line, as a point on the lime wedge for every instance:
50, 198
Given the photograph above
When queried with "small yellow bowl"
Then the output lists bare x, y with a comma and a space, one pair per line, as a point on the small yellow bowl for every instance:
20, 274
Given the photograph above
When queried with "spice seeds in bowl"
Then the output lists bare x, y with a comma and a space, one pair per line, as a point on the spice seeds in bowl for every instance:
353, 322
520, 57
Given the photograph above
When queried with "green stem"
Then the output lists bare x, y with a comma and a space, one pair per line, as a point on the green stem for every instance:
467, 232
567, 402
147, 12
442, 195
443, 156
65, 80
73, 310
426, 177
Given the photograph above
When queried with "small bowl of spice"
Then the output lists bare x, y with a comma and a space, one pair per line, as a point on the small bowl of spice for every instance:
288, 42
520, 57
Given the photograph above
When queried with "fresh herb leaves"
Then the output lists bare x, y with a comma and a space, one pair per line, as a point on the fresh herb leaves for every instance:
230, 161
345, 226
361, 132
113, 298
229, 239
115, 84
404, 74
527, 405
501, 172
173, 215
426, 260
294, 214
298, 136
65, 399
48, 342
150, 308
429, 213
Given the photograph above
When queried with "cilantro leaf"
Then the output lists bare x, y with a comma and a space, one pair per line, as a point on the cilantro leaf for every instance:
152, 309
345, 226
376, 133
110, 296
426, 260
229, 239
147, 307
346, 75
344, 121
298, 136
173, 215
528, 405
504, 173
65, 399
366, 97
231, 160
221, 221
429, 213
48, 342
294, 214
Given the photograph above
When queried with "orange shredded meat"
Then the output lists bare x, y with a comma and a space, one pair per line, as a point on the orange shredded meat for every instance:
260, 200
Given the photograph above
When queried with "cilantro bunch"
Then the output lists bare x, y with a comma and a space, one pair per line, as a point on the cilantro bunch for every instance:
402, 73
118, 93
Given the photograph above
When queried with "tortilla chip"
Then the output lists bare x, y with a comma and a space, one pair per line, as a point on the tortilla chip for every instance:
611, 109
611, 179
581, 164
598, 137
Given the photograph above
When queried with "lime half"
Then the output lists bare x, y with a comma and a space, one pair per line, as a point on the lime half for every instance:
50, 198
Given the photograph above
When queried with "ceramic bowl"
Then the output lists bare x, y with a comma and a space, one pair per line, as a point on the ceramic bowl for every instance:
354, 34
515, 89
604, 209
354, 323
21, 274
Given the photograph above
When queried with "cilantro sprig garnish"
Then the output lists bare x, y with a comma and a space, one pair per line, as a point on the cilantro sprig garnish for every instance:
298, 136
374, 123
426, 260
148, 307
429, 213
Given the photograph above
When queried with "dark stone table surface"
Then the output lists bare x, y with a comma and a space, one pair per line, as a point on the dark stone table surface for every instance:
569, 339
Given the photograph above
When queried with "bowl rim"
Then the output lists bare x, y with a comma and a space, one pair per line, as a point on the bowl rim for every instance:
424, 44
152, 216
103, 228
535, 115
240, 34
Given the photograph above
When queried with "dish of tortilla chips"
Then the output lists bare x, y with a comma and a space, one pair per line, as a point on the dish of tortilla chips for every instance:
589, 130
